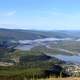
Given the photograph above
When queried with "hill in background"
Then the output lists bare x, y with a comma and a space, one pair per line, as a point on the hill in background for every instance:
20, 34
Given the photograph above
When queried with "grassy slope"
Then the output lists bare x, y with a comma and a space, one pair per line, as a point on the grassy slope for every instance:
62, 79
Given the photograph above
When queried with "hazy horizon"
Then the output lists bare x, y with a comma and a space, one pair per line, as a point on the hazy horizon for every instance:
40, 14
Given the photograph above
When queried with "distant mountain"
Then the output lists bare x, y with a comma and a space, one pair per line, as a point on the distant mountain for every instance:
20, 34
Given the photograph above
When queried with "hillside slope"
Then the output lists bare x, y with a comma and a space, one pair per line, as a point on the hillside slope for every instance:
17, 34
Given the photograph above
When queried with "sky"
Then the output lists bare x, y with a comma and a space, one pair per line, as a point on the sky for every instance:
40, 14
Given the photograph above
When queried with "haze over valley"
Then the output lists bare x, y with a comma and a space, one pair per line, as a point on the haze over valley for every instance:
39, 39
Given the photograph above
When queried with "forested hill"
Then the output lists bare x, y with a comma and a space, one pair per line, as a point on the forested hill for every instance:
20, 34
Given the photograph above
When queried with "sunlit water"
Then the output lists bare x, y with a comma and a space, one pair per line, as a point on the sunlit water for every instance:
73, 58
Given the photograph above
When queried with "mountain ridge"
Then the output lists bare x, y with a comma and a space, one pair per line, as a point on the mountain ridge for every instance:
22, 34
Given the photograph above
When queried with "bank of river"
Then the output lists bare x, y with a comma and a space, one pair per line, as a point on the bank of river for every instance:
70, 58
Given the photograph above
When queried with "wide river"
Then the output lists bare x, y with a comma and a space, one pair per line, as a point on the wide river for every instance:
72, 58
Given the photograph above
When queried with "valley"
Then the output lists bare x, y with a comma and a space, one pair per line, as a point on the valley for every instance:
39, 57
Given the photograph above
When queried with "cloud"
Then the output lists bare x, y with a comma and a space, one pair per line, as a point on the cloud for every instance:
11, 13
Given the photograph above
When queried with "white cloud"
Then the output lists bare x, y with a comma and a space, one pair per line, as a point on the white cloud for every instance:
10, 13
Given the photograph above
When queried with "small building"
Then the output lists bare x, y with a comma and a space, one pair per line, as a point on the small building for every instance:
72, 70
